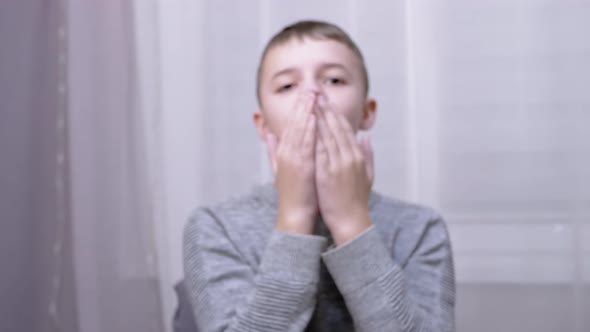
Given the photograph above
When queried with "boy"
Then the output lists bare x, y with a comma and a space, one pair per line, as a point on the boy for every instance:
317, 250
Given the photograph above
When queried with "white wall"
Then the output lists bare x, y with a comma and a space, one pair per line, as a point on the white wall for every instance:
483, 114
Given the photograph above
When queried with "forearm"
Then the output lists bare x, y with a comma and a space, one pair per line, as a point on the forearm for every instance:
279, 296
376, 292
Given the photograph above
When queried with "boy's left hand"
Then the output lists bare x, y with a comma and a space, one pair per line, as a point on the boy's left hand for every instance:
344, 175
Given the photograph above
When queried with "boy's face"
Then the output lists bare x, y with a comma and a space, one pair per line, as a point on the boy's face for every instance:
326, 67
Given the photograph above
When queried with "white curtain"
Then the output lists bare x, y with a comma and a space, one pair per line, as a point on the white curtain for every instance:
113, 149
36, 278
78, 168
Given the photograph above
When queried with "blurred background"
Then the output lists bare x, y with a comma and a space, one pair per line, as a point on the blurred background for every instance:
120, 117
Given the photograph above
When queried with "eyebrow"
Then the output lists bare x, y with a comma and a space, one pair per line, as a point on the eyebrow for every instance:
282, 72
323, 66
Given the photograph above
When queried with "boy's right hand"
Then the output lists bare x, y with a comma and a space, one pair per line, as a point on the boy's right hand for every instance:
293, 162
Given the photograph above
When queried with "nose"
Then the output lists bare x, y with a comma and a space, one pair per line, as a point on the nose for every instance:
312, 86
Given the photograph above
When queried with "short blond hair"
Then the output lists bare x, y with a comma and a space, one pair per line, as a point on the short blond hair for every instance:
315, 30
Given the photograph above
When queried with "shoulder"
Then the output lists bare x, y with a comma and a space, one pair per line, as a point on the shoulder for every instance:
250, 214
405, 226
244, 206
396, 212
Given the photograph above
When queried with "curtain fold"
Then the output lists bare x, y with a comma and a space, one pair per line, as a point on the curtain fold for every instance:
113, 173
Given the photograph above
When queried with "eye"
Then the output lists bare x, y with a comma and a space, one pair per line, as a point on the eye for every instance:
285, 87
335, 81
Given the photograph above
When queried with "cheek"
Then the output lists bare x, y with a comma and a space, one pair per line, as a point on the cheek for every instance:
352, 108
276, 113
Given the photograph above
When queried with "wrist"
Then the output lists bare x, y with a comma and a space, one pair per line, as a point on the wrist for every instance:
348, 228
292, 222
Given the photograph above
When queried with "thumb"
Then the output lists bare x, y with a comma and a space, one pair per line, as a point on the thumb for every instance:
369, 157
271, 149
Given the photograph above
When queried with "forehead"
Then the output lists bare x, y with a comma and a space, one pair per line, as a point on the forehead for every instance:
307, 52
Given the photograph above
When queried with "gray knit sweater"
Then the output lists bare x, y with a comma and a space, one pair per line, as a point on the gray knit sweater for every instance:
244, 275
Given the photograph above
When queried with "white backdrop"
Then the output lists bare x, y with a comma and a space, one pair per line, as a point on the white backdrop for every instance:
483, 114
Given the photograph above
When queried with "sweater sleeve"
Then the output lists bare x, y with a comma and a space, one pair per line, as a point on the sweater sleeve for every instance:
228, 294
381, 296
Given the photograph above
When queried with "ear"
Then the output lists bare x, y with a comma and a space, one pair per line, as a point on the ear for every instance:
369, 114
260, 124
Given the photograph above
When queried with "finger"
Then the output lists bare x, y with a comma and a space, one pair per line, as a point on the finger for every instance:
283, 144
349, 136
289, 132
322, 158
271, 149
328, 141
309, 138
301, 124
369, 158
336, 143
331, 144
